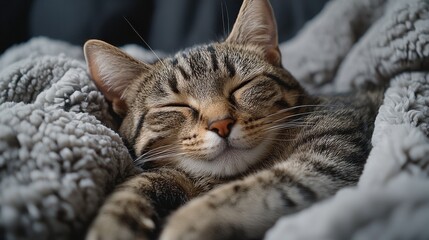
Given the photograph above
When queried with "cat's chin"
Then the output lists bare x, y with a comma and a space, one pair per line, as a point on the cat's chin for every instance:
226, 161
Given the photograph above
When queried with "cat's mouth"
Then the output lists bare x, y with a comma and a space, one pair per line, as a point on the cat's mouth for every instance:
225, 149
228, 151
224, 157
235, 147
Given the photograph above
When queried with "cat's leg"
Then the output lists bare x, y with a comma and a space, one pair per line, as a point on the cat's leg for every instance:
135, 210
246, 209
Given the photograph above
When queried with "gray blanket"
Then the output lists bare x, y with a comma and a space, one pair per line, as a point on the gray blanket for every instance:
59, 156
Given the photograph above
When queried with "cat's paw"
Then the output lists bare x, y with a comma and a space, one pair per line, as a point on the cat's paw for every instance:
111, 227
211, 217
193, 222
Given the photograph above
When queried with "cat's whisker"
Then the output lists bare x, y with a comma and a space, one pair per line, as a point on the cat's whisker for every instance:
277, 129
163, 157
298, 107
283, 111
296, 115
223, 19
174, 150
274, 139
325, 106
227, 17
138, 34
162, 147
158, 155
291, 118
156, 150
148, 159
286, 126
281, 121
285, 120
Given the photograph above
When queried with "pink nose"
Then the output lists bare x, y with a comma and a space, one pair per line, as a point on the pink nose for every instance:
222, 127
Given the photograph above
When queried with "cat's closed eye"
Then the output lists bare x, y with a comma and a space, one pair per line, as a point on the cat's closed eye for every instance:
256, 95
178, 105
241, 85
181, 107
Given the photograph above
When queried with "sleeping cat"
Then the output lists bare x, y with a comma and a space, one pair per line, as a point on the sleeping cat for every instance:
226, 134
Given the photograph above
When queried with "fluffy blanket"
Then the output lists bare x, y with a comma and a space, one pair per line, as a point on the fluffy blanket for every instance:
59, 156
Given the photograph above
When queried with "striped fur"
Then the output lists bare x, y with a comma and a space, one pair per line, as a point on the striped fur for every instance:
224, 125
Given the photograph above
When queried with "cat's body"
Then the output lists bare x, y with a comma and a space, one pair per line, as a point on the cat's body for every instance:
224, 124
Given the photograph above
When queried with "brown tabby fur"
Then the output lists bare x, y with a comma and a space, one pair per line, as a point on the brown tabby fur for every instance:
225, 125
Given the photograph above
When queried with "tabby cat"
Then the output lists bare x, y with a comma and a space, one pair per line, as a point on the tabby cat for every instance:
224, 132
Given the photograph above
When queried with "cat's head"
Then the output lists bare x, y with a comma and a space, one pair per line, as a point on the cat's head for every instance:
214, 109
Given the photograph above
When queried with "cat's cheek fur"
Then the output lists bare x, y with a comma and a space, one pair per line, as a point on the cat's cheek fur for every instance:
238, 138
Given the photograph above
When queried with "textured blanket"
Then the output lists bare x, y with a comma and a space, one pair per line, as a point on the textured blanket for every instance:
60, 155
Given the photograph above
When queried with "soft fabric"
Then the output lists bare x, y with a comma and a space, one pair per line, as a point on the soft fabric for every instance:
348, 45
60, 155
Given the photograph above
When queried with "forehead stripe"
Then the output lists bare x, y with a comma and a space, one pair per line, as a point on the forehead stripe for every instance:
172, 82
194, 62
229, 66
213, 57
183, 72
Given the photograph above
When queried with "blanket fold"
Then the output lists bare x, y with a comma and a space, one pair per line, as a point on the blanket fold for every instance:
60, 155
391, 200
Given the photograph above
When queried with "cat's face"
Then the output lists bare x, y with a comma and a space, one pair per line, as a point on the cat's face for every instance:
212, 110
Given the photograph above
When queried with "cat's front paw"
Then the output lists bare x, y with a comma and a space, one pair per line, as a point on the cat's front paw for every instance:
195, 221
123, 227
214, 216
110, 229
125, 215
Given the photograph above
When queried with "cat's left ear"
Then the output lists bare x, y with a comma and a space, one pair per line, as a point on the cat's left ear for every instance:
112, 71
256, 25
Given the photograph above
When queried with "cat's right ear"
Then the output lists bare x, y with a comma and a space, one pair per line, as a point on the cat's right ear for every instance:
112, 71
256, 25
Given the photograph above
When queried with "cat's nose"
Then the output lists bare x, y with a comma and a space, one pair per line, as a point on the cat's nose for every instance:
222, 127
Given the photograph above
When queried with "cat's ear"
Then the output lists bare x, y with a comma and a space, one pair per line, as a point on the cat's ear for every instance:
112, 71
256, 25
